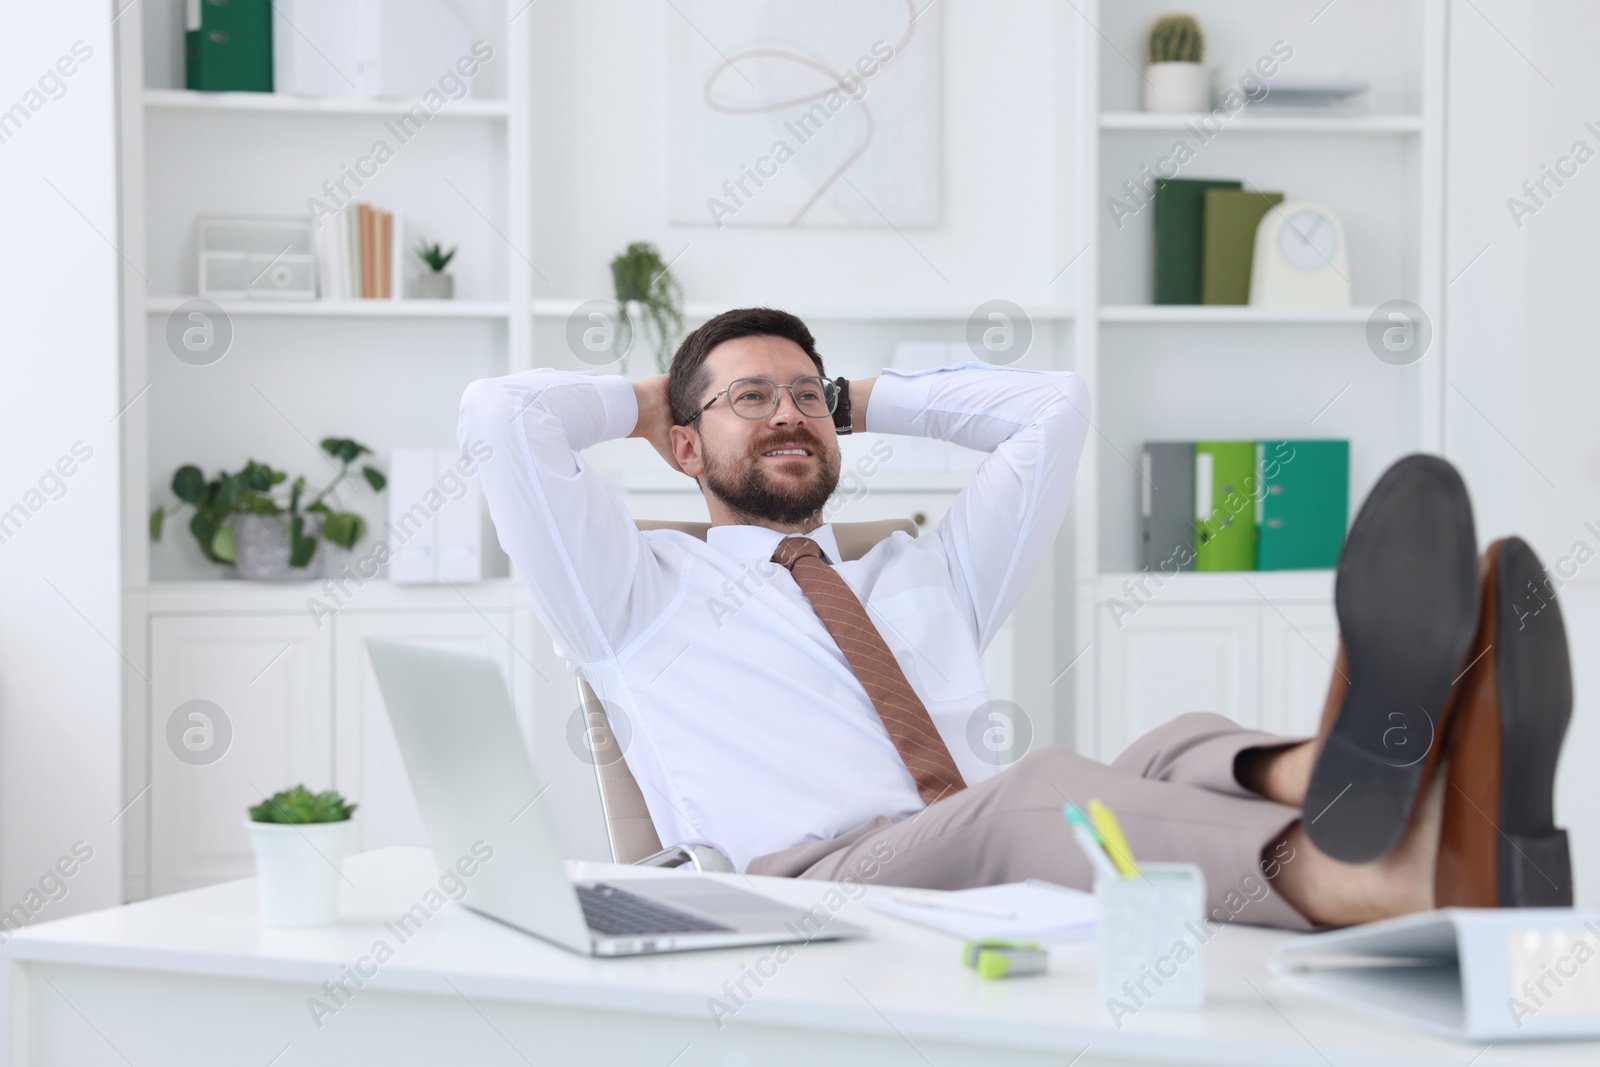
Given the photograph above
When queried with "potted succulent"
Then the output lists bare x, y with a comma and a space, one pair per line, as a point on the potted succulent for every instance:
240, 518
1175, 79
436, 284
646, 290
299, 840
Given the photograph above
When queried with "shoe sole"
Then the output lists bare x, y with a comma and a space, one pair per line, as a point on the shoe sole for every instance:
1501, 846
1406, 595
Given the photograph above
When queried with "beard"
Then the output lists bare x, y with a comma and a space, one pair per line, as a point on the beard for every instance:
746, 486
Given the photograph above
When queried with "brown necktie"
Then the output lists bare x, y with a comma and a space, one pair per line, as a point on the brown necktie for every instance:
901, 710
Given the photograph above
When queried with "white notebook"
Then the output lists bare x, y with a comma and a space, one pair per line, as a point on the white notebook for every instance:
1045, 912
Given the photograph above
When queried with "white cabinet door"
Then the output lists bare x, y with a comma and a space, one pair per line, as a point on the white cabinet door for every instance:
264, 726
1167, 659
367, 765
1299, 643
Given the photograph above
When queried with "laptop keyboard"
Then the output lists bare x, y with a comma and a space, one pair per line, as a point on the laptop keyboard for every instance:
612, 911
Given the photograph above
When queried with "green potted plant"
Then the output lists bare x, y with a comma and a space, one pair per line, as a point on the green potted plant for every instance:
299, 840
436, 284
647, 291
243, 519
1175, 79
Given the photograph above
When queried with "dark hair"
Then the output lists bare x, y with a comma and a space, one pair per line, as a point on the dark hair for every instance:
687, 376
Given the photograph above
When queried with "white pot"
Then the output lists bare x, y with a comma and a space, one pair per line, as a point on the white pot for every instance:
1176, 87
298, 870
436, 285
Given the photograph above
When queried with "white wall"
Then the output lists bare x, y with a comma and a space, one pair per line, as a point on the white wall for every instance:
1523, 380
60, 577
601, 134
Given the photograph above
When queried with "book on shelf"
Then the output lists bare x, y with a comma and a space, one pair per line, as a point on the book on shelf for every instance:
1179, 219
1228, 242
360, 254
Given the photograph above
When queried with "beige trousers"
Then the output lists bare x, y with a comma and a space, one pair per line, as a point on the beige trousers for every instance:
1173, 790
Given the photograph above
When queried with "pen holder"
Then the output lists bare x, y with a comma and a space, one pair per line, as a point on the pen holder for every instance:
1150, 934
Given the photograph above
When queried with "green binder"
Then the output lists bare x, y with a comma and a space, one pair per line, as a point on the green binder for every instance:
230, 50
1225, 508
1229, 242
1302, 515
1179, 211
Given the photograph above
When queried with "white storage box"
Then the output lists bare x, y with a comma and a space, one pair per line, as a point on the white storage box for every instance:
257, 259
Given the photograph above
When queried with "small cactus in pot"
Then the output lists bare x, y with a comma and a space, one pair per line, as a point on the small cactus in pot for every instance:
1175, 80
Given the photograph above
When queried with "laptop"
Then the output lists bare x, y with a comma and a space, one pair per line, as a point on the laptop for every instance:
477, 790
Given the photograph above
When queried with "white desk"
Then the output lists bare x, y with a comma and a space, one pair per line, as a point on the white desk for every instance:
194, 979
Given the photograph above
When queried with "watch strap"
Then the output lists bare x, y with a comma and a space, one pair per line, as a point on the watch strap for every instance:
841, 412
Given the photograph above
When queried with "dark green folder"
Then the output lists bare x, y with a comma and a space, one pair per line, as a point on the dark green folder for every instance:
231, 51
1225, 486
1180, 210
1228, 242
1301, 517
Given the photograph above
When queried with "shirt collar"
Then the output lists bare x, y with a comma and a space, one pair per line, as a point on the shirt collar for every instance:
760, 542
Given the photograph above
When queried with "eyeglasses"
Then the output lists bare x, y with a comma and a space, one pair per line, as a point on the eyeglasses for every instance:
757, 398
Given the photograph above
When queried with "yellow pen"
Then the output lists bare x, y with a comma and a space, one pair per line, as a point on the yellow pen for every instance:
1116, 842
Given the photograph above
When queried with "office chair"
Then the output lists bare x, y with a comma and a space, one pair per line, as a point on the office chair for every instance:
632, 835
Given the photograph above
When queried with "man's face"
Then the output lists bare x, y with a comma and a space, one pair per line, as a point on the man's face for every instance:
738, 464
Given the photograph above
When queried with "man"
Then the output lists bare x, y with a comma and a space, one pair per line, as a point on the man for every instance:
799, 712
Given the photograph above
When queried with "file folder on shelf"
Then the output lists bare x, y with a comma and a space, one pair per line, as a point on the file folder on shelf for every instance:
1303, 507
1224, 505
227, 45
1166, 507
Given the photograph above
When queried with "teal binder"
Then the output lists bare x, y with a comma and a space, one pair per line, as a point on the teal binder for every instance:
1302, 514
231, 48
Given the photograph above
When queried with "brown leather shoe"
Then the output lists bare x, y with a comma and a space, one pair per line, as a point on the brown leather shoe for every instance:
1499, 845
1406, 593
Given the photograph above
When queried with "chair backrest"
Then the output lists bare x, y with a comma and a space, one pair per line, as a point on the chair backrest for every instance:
633, 836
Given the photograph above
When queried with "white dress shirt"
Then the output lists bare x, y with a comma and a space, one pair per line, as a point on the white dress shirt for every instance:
746, 728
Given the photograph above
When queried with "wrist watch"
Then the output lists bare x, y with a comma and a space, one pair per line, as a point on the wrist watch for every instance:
841, 413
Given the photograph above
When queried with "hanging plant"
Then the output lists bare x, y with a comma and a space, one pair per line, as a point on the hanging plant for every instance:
644, 280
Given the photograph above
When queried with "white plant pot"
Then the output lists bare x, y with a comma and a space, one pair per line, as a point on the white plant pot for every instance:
298, 870
436, 285
261, 545
1176, 87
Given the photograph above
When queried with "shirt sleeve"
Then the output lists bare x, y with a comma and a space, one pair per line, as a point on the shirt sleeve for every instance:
1000, 527
591, 579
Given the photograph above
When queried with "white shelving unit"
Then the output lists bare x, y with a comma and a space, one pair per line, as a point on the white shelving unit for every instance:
1255, 646
295, 685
